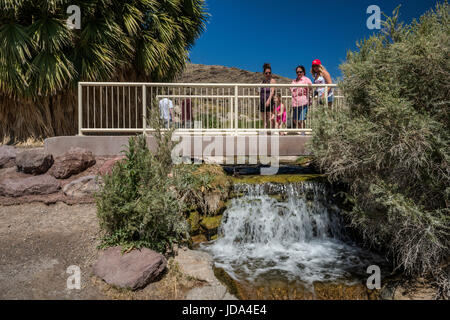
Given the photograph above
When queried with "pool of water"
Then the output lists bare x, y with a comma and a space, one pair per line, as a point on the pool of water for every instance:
292, 243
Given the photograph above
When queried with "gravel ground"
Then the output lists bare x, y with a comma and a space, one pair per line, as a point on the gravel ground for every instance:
38, 242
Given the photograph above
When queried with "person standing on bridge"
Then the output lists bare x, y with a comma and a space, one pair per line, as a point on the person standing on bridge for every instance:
279, 116
266, 104
300, 98
322, 76
166, 111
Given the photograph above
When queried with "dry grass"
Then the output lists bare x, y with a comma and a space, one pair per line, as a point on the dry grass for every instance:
172, 285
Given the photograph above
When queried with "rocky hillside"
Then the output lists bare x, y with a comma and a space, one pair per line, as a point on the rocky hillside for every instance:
199, 73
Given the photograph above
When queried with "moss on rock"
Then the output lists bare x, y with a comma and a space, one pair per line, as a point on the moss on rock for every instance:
281, 178
211, 223
232, 285
194, 222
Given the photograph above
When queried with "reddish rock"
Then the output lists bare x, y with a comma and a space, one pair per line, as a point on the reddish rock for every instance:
7, 156
82, 187
132, 270
107, 167
72, 162
35, 185
34, 161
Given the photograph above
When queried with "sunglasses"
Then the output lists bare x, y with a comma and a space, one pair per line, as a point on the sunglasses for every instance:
268, 73
299, 72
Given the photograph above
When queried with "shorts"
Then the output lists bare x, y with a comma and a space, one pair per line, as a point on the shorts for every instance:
300, 113
167, 123
263, 108
330, 99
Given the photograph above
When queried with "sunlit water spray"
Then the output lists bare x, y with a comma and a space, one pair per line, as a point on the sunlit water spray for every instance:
297, 239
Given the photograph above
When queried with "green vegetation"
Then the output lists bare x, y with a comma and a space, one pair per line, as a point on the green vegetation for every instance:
42, 60
391, 146
138, 206
147, 201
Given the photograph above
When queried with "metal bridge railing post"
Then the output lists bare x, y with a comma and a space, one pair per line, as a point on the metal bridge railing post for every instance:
80, 110
236, 115
144, 109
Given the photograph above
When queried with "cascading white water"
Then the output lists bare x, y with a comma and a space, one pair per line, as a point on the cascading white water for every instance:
297, 239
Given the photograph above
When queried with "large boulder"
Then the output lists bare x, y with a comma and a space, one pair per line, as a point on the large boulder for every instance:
34, 161
132, 270
82, 187
7, 156
35, 185
72, 162
107, 167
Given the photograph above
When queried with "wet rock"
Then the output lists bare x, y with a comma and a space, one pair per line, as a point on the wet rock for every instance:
340, 291
388, 289
84, 186
232, 285
132, 270
210, 225
72, 162
107, 167
199, 265
199, 239
7, 156
36, 185
34, 162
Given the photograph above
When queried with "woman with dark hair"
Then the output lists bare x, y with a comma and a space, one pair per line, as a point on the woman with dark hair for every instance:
266, 95
300, 98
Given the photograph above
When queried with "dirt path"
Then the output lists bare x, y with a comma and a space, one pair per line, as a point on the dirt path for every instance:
38, 242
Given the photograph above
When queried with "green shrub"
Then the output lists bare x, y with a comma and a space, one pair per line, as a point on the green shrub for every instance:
138, 206
391, 145
143, 201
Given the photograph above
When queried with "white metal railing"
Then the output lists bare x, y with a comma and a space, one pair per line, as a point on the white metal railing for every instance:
122, 107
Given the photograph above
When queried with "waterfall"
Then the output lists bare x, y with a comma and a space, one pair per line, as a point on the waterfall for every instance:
288, 232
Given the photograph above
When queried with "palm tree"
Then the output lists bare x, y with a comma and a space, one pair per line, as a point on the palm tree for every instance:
42, 59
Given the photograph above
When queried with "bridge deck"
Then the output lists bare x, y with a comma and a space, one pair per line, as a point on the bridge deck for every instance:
195, 146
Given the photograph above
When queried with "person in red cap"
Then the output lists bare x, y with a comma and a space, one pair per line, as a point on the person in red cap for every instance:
322, 76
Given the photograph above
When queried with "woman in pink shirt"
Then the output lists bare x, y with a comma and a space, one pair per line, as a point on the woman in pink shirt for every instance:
300, 98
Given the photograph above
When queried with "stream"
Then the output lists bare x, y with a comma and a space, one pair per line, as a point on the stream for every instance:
288, 241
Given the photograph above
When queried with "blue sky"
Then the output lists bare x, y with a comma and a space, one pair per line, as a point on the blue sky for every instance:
286, 33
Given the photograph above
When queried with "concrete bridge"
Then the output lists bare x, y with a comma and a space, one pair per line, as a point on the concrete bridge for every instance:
211, 120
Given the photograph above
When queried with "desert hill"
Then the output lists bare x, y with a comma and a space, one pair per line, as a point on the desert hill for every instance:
199, 73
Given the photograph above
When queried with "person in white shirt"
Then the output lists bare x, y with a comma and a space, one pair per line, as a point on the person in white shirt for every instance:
166, 111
